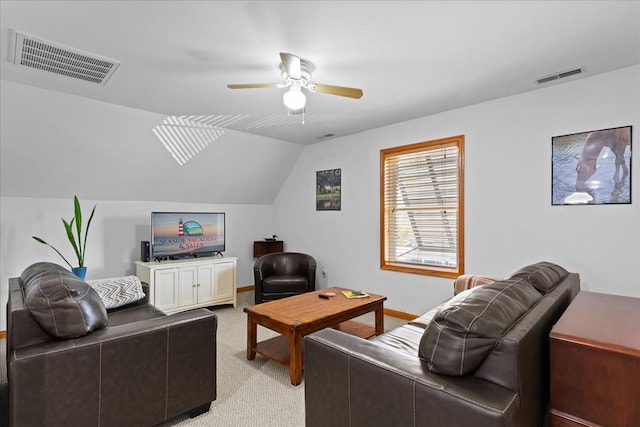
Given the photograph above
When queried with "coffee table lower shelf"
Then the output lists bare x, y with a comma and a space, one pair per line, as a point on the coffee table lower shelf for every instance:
277, 348
356, 328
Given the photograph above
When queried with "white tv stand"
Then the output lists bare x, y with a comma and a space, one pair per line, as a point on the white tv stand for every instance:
182, 285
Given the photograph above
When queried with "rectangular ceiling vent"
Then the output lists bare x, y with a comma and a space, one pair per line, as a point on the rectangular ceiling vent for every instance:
32, 52
559, 75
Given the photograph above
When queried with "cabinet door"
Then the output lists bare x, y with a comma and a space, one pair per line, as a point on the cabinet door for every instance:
188, 286
165, 285
206, 280
225, 280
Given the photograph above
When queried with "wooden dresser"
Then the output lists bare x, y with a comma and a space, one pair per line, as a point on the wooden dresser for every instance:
263, 247
595, 362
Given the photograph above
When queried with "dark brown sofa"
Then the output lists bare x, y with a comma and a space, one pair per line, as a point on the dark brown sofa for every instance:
130, 366
480, 359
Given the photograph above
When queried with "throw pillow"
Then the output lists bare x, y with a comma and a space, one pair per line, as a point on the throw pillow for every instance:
118, 291
64, 305
543, 275
462, 333
468, 281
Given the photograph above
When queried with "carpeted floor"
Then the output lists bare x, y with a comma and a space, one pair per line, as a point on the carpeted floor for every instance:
250, 393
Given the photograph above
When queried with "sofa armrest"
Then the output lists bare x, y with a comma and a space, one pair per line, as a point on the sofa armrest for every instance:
353, 382
139, 373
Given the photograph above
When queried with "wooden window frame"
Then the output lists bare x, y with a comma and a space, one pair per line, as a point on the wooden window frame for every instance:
425, 269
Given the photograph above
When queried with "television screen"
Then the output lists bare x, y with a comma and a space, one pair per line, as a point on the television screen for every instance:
187, 234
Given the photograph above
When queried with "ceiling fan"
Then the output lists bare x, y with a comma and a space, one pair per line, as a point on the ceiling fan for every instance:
296, 73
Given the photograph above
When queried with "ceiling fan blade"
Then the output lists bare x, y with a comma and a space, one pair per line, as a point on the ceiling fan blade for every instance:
349, 92
254, 85
291, 65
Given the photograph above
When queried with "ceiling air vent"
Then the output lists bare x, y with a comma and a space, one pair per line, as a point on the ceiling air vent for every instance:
46, 56
559, 75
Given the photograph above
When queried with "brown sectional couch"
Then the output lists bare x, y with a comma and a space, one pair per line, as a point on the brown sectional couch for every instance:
480, 359
71, 362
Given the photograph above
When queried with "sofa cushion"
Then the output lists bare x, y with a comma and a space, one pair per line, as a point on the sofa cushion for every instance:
405, 338
284, 283
424, 320
544, 275
465, 329
468, 281
64, 305
118, 291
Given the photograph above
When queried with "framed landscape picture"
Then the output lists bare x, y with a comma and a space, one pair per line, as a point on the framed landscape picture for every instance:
328, 190
591, 168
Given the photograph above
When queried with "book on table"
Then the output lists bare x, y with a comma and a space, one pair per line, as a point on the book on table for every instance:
355, 294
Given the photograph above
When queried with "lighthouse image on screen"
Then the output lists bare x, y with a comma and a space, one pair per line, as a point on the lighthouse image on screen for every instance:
184, 234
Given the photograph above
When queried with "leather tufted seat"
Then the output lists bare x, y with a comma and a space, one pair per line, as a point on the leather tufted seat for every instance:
283, 274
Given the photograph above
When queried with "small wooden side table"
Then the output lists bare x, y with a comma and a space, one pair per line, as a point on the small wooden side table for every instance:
263, 247
595, 362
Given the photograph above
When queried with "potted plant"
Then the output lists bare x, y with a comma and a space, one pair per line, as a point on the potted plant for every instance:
79, 244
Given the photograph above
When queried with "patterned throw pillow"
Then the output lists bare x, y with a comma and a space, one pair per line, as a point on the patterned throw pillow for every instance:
118, 291
468, 281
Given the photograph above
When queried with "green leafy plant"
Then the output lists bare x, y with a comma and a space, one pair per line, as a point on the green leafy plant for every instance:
79, 244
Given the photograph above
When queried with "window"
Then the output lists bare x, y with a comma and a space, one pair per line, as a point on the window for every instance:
422, 207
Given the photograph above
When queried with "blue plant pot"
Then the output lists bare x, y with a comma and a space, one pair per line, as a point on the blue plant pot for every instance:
81, 272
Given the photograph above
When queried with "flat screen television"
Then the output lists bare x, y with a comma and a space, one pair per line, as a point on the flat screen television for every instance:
176, 235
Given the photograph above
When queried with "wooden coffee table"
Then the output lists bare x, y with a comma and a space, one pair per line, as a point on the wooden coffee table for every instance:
300, 315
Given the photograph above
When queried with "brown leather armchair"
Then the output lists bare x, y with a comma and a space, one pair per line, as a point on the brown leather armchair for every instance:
283, 274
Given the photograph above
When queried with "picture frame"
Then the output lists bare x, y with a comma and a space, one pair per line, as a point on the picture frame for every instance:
592, 168
329, 190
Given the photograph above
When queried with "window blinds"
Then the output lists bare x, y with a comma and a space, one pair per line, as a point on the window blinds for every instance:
420, 204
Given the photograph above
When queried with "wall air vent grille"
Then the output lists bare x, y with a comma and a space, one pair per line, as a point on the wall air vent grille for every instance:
561, 75
50, 57
570, 73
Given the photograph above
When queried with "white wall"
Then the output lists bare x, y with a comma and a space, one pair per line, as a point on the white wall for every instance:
114, 237
509, 220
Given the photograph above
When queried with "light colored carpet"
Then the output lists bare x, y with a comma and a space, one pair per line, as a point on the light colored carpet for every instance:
250, 393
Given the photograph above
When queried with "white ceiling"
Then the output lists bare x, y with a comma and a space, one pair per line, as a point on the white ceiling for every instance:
411, 58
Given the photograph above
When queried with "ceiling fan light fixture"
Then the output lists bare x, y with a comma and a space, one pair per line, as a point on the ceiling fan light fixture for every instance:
294, 99
296, 73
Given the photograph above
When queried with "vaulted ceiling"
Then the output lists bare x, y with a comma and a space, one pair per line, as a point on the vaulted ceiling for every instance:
410, 58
